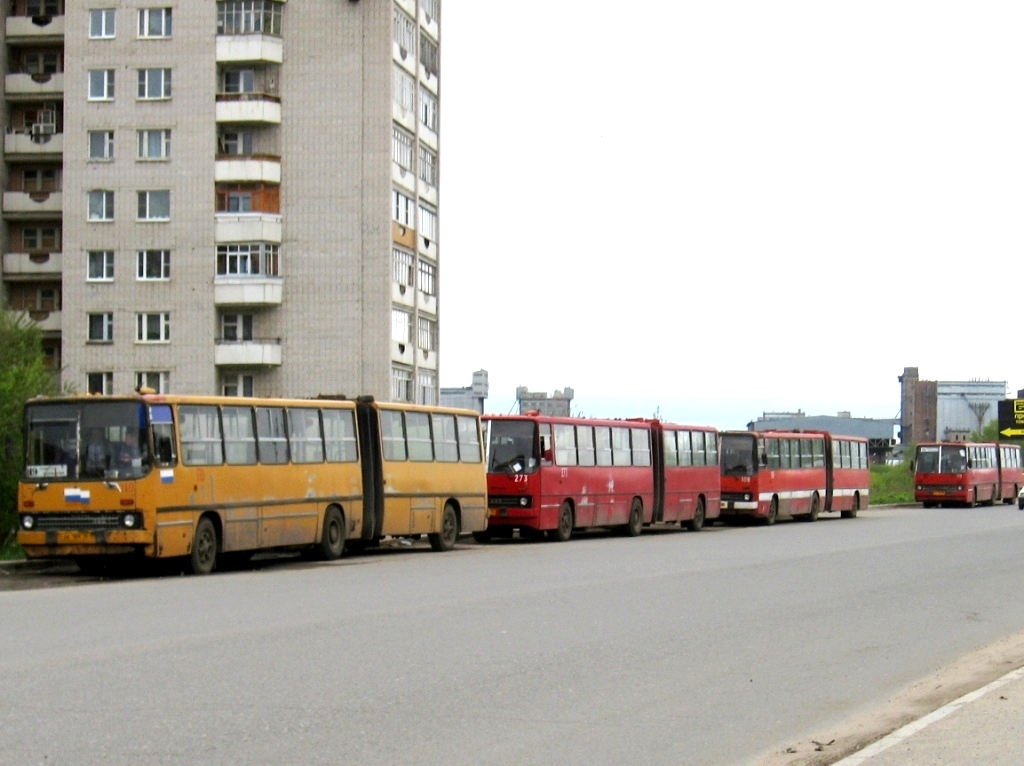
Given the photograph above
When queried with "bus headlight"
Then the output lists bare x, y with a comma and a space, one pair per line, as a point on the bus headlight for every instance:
27, 521
524, 501
130, 520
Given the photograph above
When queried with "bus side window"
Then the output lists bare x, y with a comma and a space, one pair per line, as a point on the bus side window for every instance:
163, 435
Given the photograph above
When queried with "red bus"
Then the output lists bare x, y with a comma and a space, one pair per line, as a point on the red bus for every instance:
687, 480
555, 474
772, 475
966, 473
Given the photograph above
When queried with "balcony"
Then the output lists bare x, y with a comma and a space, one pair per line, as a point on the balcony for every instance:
248, 107
33, 146
248, 227
245, 48
49, 322
261, 352
258, 168
25, 265
247, 291
34, 30
403, 353
19, 204
22, 87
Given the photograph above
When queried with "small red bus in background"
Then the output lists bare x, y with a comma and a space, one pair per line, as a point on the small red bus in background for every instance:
554, 474
792, 474
687, 480
965, 473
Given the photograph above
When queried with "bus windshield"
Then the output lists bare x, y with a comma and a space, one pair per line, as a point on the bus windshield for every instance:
98, 440
512, 447
739, 456
941, 459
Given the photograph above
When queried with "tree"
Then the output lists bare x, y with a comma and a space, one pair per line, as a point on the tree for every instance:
23, 374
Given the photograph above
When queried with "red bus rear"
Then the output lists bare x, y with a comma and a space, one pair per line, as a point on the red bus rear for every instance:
687, 478
958, 473
774, 475
554, 475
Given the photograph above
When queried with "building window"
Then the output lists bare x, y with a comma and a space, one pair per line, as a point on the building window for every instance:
428, 55
426, 384
237, 143
101, 84
401, 147
429, 8
43, 8
101, 328
248, 198
401, 326
154, 22
154, 144
428, 224
34, 296
41, 62
154, 205
403, 263
239, 80
101, 144
404, 32
402, 208
426, 334
428, 278
405, 89
101, 266
236, 327
100, 383
153, 264
401, 385
154, 83
46, 238
101, 23
101, 205
428, 165
428, 109
247, 17
153, 328
247, 259
40, 180
160, 382
238, 385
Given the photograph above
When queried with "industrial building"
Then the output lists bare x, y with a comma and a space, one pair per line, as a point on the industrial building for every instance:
946, 410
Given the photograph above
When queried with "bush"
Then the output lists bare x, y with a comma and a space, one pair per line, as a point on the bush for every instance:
892, 484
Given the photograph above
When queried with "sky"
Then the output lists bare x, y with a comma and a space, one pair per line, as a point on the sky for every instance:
711, 210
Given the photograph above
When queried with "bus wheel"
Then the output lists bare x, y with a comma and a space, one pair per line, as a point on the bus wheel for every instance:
852, 513
697, 522
773, 512
445, 539
332, 539
636, 519
815, 507
563, 531
203, 558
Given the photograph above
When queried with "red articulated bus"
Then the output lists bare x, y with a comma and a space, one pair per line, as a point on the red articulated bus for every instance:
966, 473
552, 475
793, 474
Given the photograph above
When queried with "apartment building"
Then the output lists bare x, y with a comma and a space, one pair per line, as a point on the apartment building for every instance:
235, 197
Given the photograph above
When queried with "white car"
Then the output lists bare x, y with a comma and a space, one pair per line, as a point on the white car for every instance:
1020, 499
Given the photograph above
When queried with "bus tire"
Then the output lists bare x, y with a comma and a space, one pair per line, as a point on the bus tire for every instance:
697, 522
445, 539
563, 531
852, 513
332, 537
773, 512
203, 558
636, 519
815, 507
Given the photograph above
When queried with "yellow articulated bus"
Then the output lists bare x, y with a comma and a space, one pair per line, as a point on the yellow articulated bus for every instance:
218, 478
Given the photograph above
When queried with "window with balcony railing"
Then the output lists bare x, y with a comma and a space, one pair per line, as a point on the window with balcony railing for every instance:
429, 8
247, 259
41, 238
428, 109
428, 165
405, 89
428, 55
248, 198
249, 17
427, 278
41, 62
403, 267
34, 296
401, 147
43, 7
33, 180
403, 32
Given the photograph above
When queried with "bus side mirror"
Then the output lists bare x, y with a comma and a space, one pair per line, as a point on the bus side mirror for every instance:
764, 459
546, 456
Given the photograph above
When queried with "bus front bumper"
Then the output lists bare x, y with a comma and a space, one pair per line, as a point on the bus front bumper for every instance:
56, 543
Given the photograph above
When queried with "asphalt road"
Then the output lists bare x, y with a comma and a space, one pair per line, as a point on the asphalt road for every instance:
674, 647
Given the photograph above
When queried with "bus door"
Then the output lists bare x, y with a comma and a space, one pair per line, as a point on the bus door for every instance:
395, 502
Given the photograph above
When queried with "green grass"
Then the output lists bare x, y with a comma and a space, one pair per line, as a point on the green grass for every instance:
891, 484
